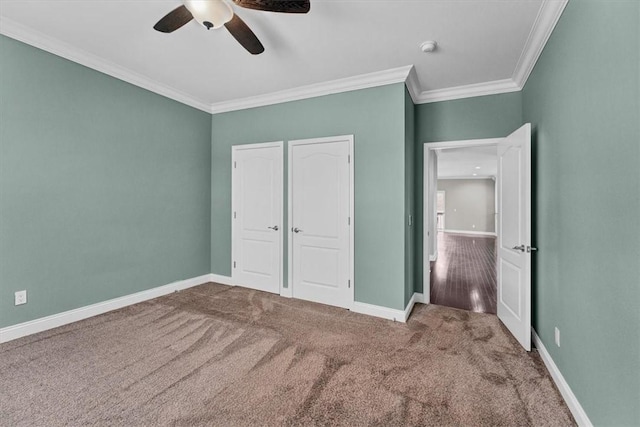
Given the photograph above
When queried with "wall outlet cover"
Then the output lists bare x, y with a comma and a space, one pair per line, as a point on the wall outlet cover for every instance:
557, 336
20, 297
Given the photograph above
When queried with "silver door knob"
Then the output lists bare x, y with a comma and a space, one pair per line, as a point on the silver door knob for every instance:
296, 230
274, 228
519, 248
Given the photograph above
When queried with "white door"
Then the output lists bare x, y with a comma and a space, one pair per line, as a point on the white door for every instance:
320, 209
514, 234
257, 216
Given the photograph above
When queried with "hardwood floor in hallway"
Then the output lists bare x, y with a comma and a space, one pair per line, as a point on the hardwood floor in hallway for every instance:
464, 275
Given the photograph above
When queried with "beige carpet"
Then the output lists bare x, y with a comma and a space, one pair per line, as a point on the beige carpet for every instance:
225, 356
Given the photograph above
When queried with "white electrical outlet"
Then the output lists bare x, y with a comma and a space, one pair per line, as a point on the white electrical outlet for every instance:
557, 336
21, 297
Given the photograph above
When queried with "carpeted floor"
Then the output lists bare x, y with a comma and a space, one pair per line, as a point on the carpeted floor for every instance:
216, 355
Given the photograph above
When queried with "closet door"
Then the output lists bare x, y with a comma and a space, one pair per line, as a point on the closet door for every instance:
257, 216
320, 220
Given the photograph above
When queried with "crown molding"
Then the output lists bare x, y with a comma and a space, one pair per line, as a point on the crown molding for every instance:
57, 47
468, 91
548, 16
546, 20
363, 81
413, 85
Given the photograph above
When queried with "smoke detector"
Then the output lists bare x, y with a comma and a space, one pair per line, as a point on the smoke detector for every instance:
428, 46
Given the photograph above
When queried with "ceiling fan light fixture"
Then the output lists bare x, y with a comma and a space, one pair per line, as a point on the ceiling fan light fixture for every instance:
210, 13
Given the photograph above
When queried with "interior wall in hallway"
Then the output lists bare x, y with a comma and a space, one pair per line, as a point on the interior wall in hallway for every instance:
469, 204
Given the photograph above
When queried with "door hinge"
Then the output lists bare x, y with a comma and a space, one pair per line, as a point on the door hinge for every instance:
234, 264
348, 220
348, 158
234, 215
235, 165
349, 283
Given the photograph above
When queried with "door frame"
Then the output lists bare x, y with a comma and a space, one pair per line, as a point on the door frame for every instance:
243, 147
290, 145
430, 149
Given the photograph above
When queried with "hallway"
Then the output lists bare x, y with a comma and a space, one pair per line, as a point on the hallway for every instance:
464, 275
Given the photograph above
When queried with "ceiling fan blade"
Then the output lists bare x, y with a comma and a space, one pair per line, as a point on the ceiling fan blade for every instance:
173, 20
284, 6
241, 32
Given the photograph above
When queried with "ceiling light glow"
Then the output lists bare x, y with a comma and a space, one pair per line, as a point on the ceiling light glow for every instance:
210, 13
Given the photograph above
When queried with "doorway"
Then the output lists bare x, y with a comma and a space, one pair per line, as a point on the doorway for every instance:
321, 220
511, 249
463, 274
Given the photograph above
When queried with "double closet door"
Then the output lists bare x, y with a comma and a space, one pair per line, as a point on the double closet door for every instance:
319, 229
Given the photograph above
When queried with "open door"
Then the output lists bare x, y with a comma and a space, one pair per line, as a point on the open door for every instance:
514, 234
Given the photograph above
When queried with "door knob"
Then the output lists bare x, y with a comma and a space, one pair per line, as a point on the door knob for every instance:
274, 228
531, 249
519, 248
296, 230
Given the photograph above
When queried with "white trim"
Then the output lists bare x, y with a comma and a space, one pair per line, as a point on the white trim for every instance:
463, 143
548, 16
492, 177
413, 85
275, 144
363, 81
544, 24
419, 298
286, 292
57, 47
480, 233
241, 147
546, 20
415, 298
388, 313
379, 311
572, 401
223, 280
49, 322
468, 91
290, 144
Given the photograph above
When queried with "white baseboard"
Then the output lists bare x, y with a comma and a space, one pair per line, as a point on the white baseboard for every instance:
223, 280
49, 322
479, 233
385, 312
286, 292
572, 401
378, 311
419, 298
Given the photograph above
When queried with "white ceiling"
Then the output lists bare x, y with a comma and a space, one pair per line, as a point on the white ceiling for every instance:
465, 162
478, 41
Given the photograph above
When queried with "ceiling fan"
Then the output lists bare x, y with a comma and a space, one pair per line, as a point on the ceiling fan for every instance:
218, 13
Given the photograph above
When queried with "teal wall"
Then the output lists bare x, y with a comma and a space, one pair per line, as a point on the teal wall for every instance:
493, 116
583, 99
409, 197
376, 119
104, 187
